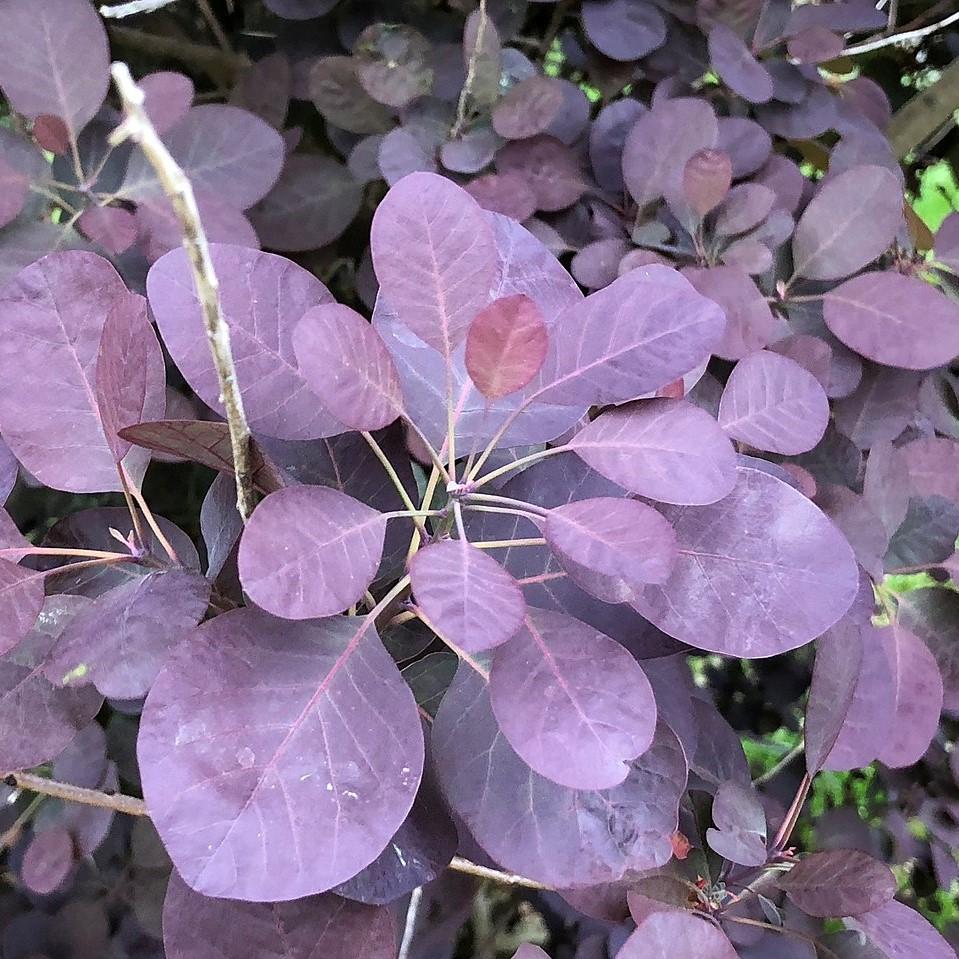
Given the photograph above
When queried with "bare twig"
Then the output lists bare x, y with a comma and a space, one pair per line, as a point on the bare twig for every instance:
467, 91
137, 126
484, 872
896, 39
88, 797
132, 8
410, 927
786, 760
211, 21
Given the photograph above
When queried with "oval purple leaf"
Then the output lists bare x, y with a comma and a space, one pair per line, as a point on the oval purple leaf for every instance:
347, 365
47, 861
573, 703
774, 404
556, 835
850, 221
740, 825
310, 551
901, 933
668, 450
624, 29
763, 540
707, 177
270, 797
448, 262
670, 934
895, 320
168, 98
528, 108
839, 882
737, 67
263, 297
467, 595
506, 345
611, 547
326, 926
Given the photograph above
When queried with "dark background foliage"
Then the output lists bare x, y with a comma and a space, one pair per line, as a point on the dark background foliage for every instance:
340, 101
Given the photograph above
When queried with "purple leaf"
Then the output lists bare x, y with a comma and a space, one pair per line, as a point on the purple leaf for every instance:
337, 93
668, 450
114, 228
130, 375
707, 177
288, 794
61, 303
774, 404
665, 935
168, 98
717, 755
57, 715
927, 534
611, 547
850, 221
325, 926
528, 108
21, 599
467, 595
508, 194
840, 882
402, 152
505, 345
660, 145
748, 254
607, 137
844, 16
47, 861
550, 168
54, 60
264, 89
120, 641
262, 297
624, 29
309, 551
641, 333
901, 933
220, 523
750, 324
895, 320
556, 835
345, 363
730, 555
881, 407
740, 820
737, 67
839, 660
14, 191
393, 63
471, 152
918, 698
815, 45
573, 703
747, 144
311, 204
597, 264
746, 206
225, 151
449, 258
207, 443
867, 723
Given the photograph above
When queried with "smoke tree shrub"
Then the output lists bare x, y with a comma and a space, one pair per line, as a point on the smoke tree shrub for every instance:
497, 522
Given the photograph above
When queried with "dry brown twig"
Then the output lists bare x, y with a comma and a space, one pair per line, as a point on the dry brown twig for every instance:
137, 127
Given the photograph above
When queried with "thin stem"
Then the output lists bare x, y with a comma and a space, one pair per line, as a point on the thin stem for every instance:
898, 38
506, 501
88, 797
214, 25
394, 478
484, 872
908, 570
428, 494
467, 92
434, 456
138, 127
517, 464
458, 518
403, 617
410, 926
151, 519
786, 760
132, 8
805, 298
508, 510
466, 657
11, 835
16, 553
542, 578
56, 198
507, 543
792, 816
410, 514
131, 509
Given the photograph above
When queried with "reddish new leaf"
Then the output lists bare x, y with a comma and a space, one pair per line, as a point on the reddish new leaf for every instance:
668, 450
278, 758
706, 180
851, 220
743, 587
774, 404
467, 595
310, 551
324, 925
573, 703
611, 547
442, 279
506, 345
840, 882
347, 365
895, 320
